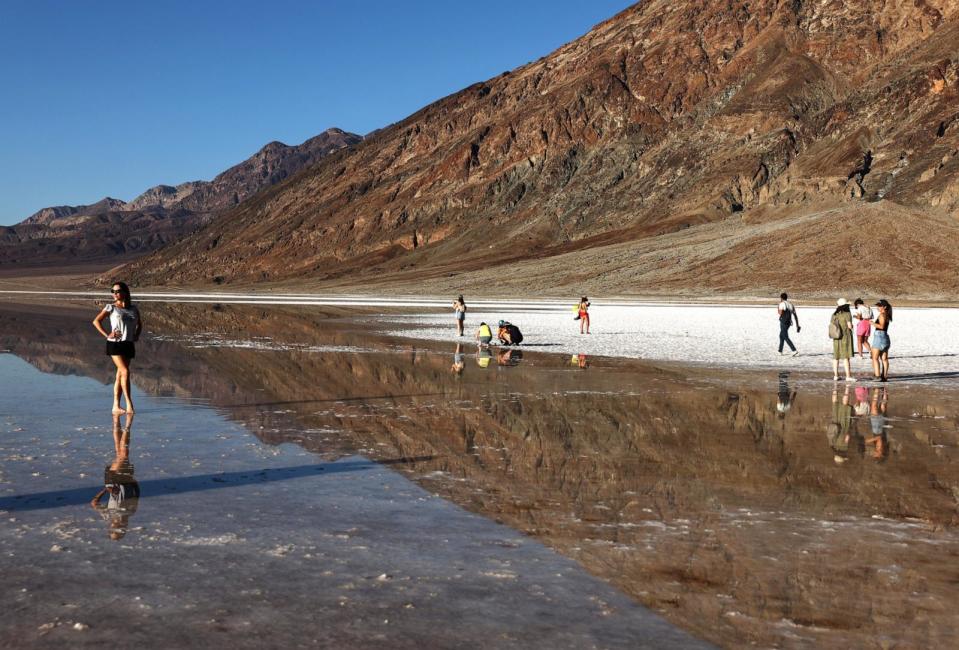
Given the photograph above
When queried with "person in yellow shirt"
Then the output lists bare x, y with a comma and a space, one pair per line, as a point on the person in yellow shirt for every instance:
484, 335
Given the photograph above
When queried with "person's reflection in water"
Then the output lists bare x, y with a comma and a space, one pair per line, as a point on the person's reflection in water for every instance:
579, 360
878, 424
483, 357
118, 483
459, 363
862, 400
509, 357
840, 433
786, 398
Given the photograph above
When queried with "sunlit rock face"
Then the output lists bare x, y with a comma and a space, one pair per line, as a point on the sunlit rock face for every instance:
667, 148
745, 506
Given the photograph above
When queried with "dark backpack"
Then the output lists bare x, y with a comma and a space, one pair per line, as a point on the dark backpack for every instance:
786, 318
515, 336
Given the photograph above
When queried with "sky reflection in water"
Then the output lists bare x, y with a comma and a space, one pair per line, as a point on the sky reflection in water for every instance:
772, 507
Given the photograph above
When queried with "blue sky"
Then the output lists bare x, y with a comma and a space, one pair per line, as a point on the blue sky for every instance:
109, 98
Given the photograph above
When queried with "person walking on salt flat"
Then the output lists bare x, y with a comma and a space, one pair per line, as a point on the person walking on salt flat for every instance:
787, 314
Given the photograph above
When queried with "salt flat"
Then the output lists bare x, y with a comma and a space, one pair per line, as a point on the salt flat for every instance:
722, 335
712, 334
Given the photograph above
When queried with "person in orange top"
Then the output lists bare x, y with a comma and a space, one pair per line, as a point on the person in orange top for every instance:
583, 314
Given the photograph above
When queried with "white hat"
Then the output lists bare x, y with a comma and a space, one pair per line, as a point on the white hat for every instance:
841, 301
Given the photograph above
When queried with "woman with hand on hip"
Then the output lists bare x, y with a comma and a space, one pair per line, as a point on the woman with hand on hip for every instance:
125, 327
881, 341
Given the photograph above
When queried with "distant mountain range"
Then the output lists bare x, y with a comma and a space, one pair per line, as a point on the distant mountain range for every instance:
687, 146
113, 230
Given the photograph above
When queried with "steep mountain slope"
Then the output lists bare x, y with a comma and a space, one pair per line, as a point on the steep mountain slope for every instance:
666, 117
113, 230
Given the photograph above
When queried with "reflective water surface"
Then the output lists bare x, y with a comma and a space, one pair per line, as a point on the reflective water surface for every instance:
767, 508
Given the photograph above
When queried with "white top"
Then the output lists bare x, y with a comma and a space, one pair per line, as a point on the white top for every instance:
123, 322
863, 312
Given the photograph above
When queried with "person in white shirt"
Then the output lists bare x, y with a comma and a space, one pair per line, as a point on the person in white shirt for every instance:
125, 328
787, 313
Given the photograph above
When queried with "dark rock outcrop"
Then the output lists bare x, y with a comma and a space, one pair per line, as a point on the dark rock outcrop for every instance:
671, 117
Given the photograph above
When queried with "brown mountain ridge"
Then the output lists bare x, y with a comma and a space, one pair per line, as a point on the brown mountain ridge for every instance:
113, 230
678, 147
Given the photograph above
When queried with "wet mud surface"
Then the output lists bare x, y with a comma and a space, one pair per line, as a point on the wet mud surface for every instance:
768, 508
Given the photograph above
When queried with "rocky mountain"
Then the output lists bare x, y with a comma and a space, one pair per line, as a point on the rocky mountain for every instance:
270, 165
678, 146
114, 230
58, 213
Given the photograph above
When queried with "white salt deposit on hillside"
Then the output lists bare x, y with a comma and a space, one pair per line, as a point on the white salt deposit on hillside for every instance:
924, 341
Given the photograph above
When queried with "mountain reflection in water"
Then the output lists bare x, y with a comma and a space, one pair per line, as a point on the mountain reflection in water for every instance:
747, 507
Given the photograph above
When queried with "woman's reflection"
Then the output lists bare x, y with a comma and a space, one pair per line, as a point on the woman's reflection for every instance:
459, 362
118, 482
841, 432
878, 424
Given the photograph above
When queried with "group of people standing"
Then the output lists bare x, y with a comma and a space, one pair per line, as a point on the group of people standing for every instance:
854, 322
850, 327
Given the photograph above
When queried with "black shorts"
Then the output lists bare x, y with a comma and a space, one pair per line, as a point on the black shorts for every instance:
121, 349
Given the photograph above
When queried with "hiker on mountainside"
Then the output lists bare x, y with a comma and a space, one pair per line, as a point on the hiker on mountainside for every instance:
787, 313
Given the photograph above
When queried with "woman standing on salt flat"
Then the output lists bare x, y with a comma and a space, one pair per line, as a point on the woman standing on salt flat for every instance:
881, 342
583, 308
459, 310
841, 333
125, 327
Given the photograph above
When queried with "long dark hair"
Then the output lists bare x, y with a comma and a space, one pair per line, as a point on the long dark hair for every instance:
124, 291
841, 308
885, 303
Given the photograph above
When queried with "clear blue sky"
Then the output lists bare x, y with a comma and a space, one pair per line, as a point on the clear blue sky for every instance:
105, 98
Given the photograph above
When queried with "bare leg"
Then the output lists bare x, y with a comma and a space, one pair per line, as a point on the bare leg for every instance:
123, 378
846, 365
885, 363
587, 323
835, 369
117, 387
876, 372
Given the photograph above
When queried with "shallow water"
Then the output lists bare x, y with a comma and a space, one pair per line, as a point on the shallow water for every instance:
746, 507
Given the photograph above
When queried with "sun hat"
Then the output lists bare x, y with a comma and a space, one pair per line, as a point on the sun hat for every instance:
841, 301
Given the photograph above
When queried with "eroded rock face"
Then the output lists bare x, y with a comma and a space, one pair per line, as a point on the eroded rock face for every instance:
114, 230
669, 116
